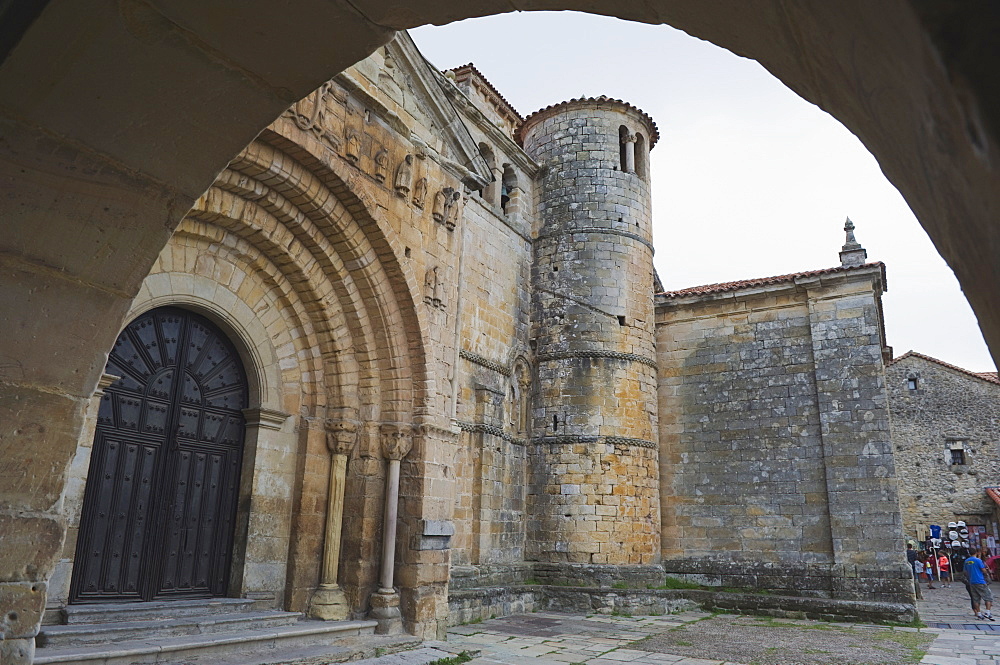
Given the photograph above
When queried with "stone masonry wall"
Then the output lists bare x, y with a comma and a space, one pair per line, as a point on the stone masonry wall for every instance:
946, 407
776, 469
593, 486
740, 432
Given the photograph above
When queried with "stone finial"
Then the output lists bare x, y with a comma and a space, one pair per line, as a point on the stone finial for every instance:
341, 436
852, 254
397, 440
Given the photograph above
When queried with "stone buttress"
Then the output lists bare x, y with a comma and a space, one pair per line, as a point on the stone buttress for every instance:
593, 493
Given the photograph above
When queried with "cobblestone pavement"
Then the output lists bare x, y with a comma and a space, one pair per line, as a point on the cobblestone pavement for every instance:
546, 638
962, 639
689, 638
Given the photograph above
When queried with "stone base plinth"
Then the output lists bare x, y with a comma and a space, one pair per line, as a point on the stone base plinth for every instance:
385, 610
329, 603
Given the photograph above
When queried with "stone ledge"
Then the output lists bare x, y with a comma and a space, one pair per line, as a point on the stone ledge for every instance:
481, 603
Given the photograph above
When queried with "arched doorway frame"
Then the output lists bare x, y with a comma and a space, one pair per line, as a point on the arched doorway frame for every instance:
150, 585
264, 420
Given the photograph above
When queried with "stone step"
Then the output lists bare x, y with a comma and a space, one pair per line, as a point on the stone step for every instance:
150, 611
265, 642
78, 634
351, 649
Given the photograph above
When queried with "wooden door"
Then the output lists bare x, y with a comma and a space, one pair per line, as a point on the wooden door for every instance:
160, 503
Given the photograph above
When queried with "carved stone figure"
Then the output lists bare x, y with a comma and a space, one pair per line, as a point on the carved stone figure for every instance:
404, 176
381, 164
341, 436
440, 201
312, 114
397, 440
432, 288
454, 210
420, 193
353, 148
306, 112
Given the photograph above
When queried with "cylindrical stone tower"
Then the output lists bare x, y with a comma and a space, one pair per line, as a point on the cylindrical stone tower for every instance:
594, 492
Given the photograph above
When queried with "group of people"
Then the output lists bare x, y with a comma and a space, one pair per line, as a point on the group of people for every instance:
971, 570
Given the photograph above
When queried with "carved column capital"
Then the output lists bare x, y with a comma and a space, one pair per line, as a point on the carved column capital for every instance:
397, 440
341, 436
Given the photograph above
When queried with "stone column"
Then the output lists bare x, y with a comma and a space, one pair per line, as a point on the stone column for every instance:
629, 142
396, 443
329, 602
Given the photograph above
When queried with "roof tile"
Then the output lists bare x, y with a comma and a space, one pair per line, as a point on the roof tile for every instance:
723, 287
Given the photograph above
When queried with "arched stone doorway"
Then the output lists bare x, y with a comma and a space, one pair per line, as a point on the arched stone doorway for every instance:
160, 504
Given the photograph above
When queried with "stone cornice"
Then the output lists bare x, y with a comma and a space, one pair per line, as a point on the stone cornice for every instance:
482, 361
601, 230
596, 438
494, 430
615, 355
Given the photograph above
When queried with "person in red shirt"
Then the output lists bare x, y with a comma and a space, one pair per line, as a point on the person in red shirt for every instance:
944, 563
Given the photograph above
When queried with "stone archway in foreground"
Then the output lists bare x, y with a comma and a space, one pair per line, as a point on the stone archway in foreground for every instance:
115, 117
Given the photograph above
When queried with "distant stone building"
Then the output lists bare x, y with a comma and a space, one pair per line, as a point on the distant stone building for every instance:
404, 360
946, 434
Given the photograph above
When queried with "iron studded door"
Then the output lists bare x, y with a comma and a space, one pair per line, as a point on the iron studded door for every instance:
160, 502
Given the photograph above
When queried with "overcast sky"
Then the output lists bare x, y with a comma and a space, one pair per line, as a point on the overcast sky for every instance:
749, 180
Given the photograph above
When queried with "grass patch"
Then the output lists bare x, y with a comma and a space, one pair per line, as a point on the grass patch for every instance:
916, 642
457, 659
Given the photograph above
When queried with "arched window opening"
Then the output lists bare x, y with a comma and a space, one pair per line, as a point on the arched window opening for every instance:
510, 191
641, 157
627, 141
623, 135
490, 193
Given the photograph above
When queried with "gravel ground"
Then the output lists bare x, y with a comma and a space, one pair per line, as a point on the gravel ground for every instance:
764, 641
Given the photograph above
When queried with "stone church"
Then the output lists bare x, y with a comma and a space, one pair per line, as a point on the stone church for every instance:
408, 359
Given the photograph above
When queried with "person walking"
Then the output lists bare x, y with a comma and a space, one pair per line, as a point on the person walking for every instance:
976, 576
